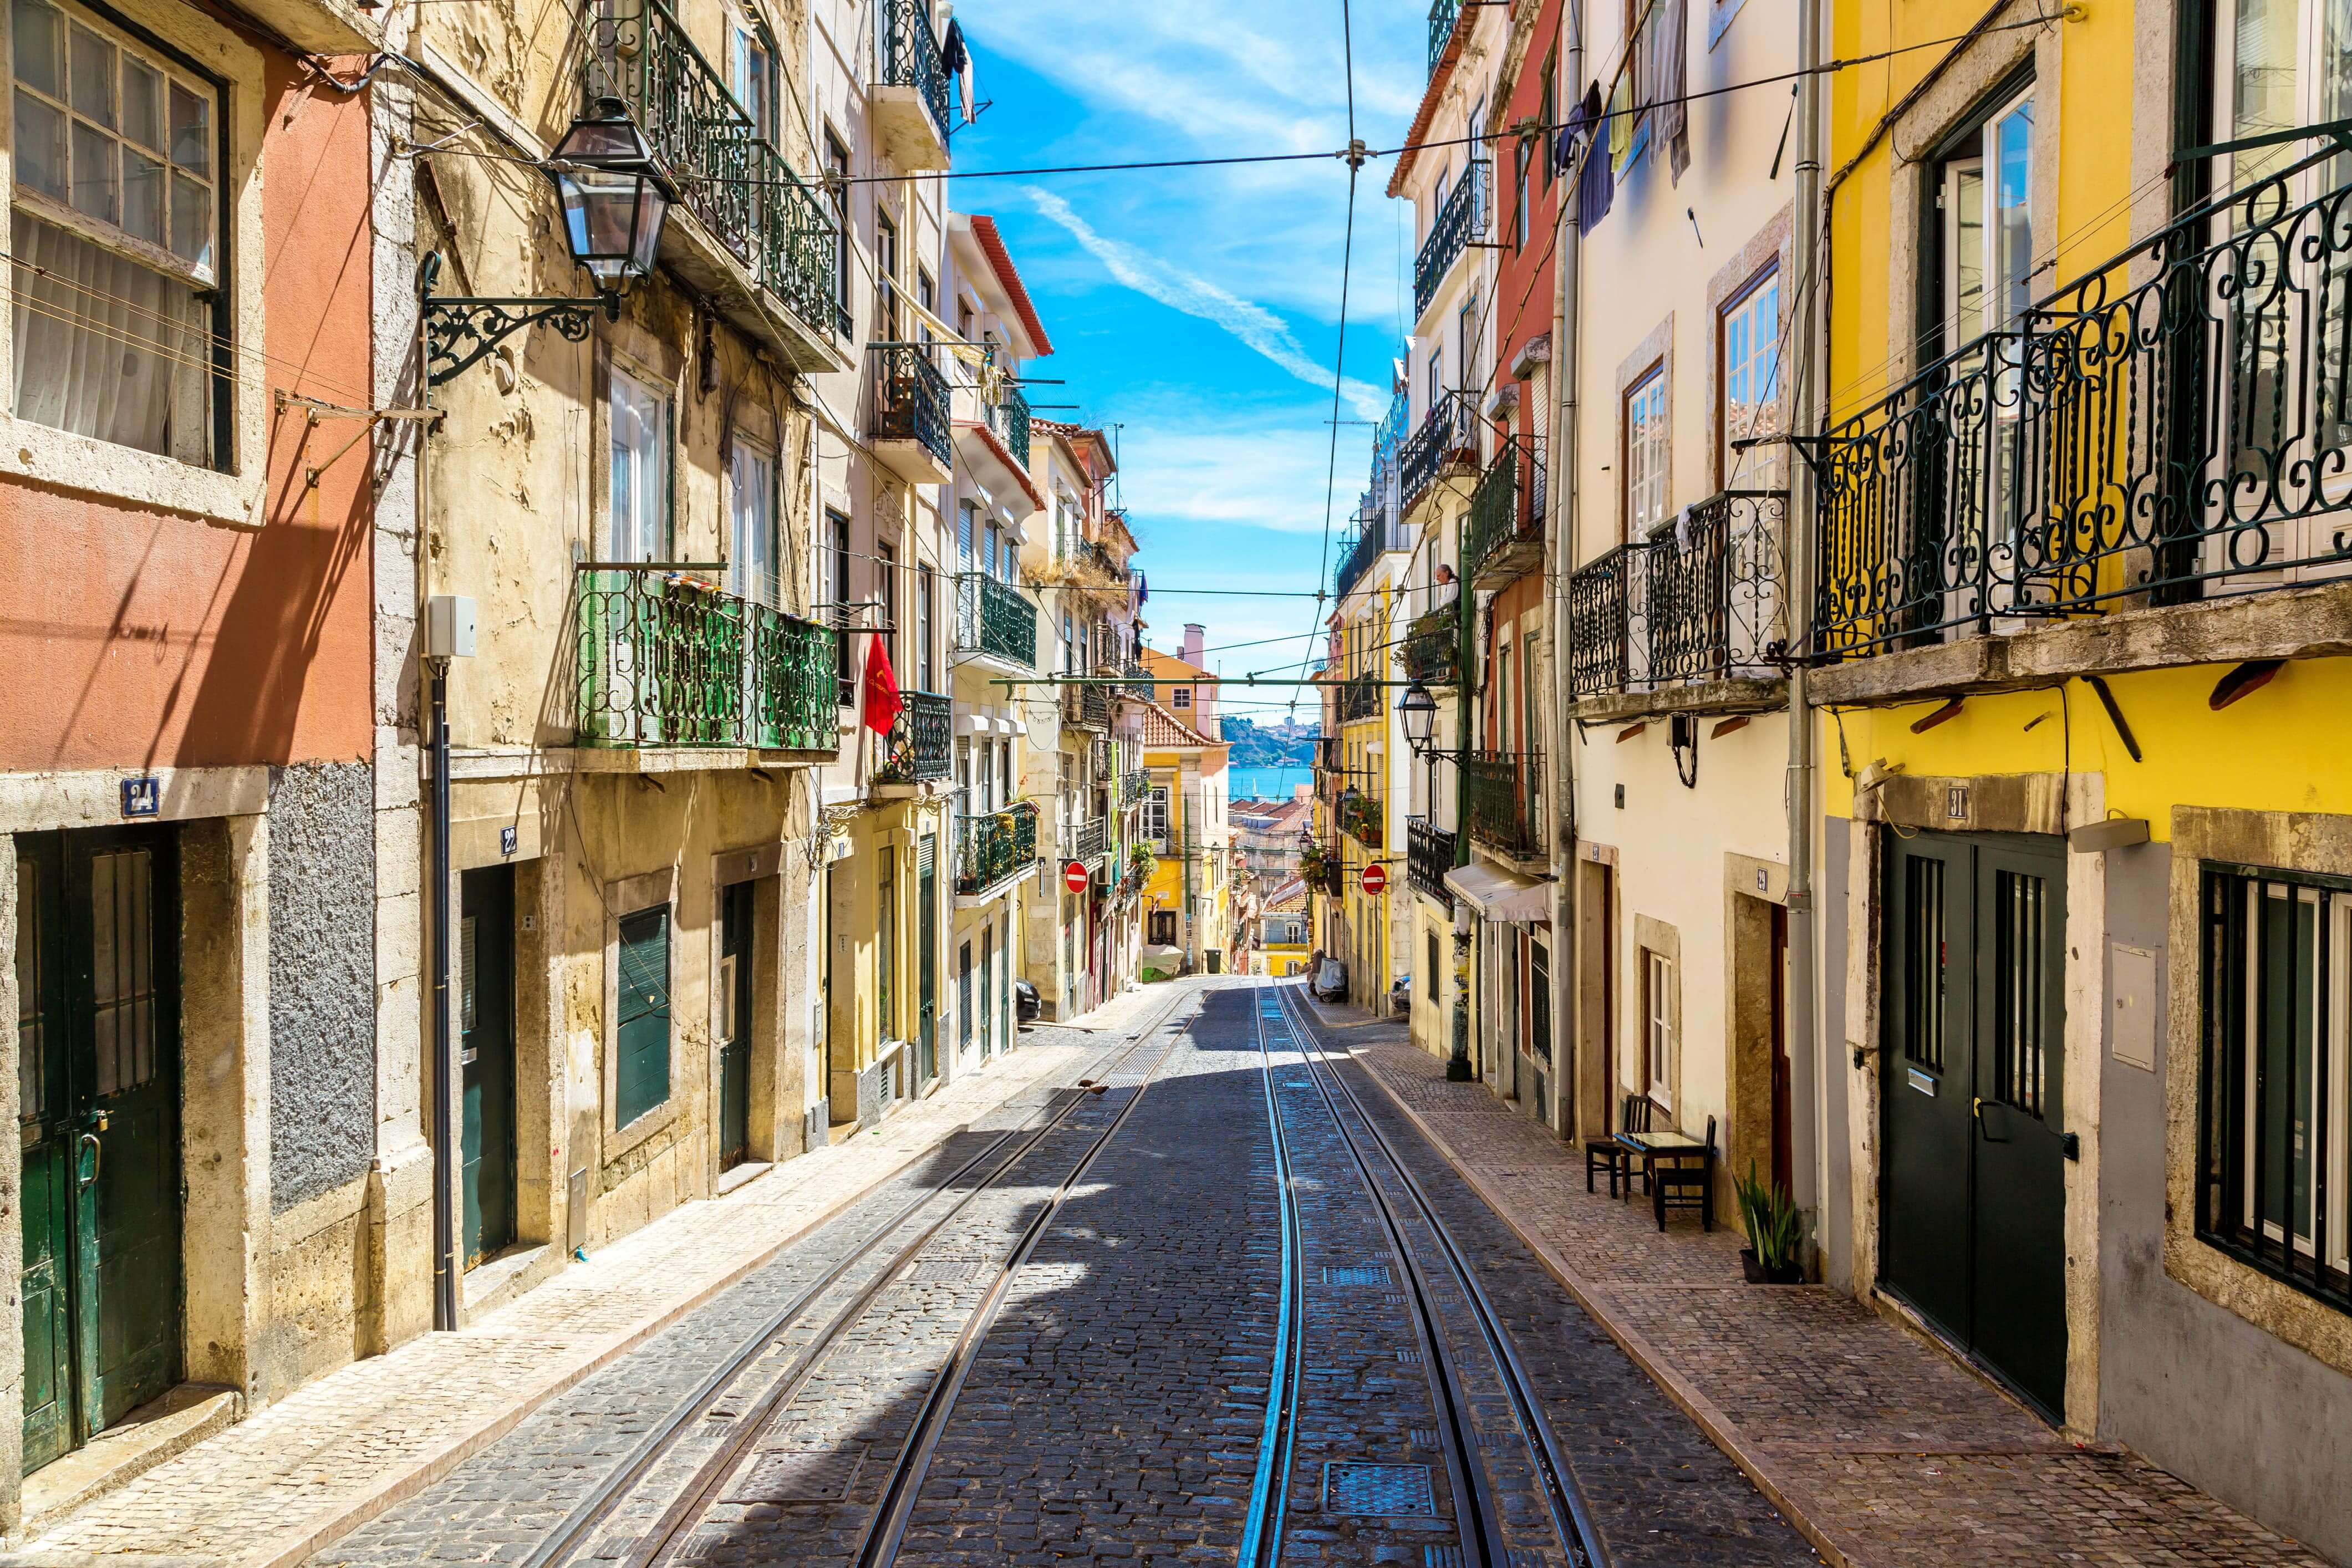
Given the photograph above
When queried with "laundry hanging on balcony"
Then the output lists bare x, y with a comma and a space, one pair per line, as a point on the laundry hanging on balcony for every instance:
1578, 154
956, 55
1667, 76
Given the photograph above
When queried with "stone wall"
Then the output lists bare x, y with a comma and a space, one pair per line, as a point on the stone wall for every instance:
321, 978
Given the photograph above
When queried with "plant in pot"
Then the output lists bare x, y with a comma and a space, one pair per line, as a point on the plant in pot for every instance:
1775, 1229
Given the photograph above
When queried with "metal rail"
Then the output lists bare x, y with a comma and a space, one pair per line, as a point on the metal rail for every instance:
1572, 1517
578, 1526
1270, 1491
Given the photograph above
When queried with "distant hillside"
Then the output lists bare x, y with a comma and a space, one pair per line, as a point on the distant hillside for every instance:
1256, 748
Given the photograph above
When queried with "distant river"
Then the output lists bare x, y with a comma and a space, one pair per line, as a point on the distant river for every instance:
1265, 783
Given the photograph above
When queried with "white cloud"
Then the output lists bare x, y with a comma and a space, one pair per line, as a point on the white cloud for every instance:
1255, 325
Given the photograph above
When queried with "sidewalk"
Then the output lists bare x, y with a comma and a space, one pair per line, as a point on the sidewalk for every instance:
277, 1487
1881, 1449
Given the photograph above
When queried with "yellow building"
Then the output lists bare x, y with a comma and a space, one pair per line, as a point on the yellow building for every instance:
2086, 862
1283, 933
1187, 899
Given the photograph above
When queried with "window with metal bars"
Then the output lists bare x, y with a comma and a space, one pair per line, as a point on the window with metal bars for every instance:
2273, 1087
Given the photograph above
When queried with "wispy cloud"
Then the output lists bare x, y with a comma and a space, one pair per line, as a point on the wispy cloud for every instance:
1253, 325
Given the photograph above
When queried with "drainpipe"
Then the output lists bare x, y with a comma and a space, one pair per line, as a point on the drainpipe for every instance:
1807, 1063
447, 1158
1559, 555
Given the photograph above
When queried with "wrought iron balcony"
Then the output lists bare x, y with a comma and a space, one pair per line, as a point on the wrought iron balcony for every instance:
1139, 681
912, 399
1008, 415
732, 177
1440, 28
2183, 438
1505, 536
1446, 436
991, 850
1704, 603
1363, 819
1431, 649
1502, 801
666, 659
1460, 223
1373, 534
1087, 707
911, 58
1133, 787
1359, 700
1428, 856
922, 746
995, 618
1597, 598
1087, 842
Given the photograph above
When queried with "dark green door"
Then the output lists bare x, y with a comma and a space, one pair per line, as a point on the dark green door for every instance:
927, 961
1974, 1197
486, 1056
97, 961
734, 1023
641, 1032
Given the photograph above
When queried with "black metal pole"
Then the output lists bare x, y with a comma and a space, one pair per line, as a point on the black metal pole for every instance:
1457, 1065
446, 1161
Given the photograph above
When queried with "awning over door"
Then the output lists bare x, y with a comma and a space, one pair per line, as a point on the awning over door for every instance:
1500, 895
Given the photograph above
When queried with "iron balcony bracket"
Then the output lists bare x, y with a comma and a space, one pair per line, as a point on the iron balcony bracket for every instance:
460, 332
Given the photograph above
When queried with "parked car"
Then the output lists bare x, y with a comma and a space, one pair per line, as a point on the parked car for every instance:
1331, 981
1401, 997
1025, 1003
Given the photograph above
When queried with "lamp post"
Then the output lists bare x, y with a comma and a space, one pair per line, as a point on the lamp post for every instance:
1417, 711
614, 199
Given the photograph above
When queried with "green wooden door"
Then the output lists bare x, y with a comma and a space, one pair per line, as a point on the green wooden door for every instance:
641, 1035
99, 957
735, 1024
486, 1055
927, 964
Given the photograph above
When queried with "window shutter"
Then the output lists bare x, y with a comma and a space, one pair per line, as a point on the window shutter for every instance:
641, 1032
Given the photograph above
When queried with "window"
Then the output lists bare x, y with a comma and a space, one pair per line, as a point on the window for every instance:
1155, 815
885, 951
752, 76
1180, 697
885, 278
1436, 381
1163, 928
1984, 187
1465, 340
927, 296
837, 554
1522, 190
1428, 986
117, 206
1748, 382
1550, 110
640, 498
752, 525
1646, 453
641, 1019
1658, 1028
837, 168
886, 590
2272, 1181
926, 584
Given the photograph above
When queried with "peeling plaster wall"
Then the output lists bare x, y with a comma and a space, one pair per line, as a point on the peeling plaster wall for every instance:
321, 978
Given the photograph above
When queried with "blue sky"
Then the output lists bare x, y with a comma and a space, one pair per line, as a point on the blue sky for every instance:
1198, 309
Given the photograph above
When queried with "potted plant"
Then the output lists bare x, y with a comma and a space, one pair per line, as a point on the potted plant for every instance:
1775, 1231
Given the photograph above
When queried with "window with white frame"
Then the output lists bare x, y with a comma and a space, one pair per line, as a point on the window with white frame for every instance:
752, 73
115, 232
752, 524
1155, 815
2273, 1091
1658, 1028
640, 498
1646, 453
1747, 376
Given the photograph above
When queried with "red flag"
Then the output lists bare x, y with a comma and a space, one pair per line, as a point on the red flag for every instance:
883, 703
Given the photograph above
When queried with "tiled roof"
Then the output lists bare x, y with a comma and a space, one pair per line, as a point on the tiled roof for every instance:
1164, 730
983, 228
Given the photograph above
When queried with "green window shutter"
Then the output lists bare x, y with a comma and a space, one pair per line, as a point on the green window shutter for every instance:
641, 1034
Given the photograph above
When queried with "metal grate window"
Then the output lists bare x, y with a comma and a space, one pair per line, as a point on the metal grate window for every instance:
1923, 959
2021, 921
2273, 1090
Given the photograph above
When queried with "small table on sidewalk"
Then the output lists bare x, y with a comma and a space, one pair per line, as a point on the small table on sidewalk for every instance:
1674, 1150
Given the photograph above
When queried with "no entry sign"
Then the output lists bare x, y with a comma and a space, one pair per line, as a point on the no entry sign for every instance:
1075, 878
1376, 878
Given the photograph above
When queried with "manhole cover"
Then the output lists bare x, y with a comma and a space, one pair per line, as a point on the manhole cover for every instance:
943, 1271
1375, 1274
798, 1475
1391, 1491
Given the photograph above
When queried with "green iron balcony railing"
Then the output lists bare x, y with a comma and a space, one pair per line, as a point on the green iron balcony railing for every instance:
1359, 700
1502, 801
1008, 415
2174, 425
728, 174
1087, 707
1460, 223
910, 57
1432, 649
1133, 787
1441, 16
669, 660
922, 746
992, 849
1428, 856
1505, 538
1086, 842
1447, 435
911, 400
996, 618
1140, 682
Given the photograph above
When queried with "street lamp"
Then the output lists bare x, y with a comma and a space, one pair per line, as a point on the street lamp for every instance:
615, 199
1417, 710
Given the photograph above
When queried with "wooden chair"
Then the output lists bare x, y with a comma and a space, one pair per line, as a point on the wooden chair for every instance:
1686, 1179
1605, 1151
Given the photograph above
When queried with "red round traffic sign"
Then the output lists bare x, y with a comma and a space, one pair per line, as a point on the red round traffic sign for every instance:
1074, 876
1376, 878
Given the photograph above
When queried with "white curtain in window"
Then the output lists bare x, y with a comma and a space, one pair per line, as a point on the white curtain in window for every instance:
106, 347
640, 419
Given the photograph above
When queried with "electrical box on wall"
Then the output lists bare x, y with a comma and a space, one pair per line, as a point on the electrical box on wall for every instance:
448, 626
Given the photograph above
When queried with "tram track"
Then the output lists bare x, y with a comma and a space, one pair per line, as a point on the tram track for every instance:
1482, 1539
738, 1381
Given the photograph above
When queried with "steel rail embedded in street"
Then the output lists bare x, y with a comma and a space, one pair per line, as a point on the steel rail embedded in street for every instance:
1269, 1491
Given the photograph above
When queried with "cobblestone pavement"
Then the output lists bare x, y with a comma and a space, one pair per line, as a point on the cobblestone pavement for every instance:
436, 1416
1885, 1450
